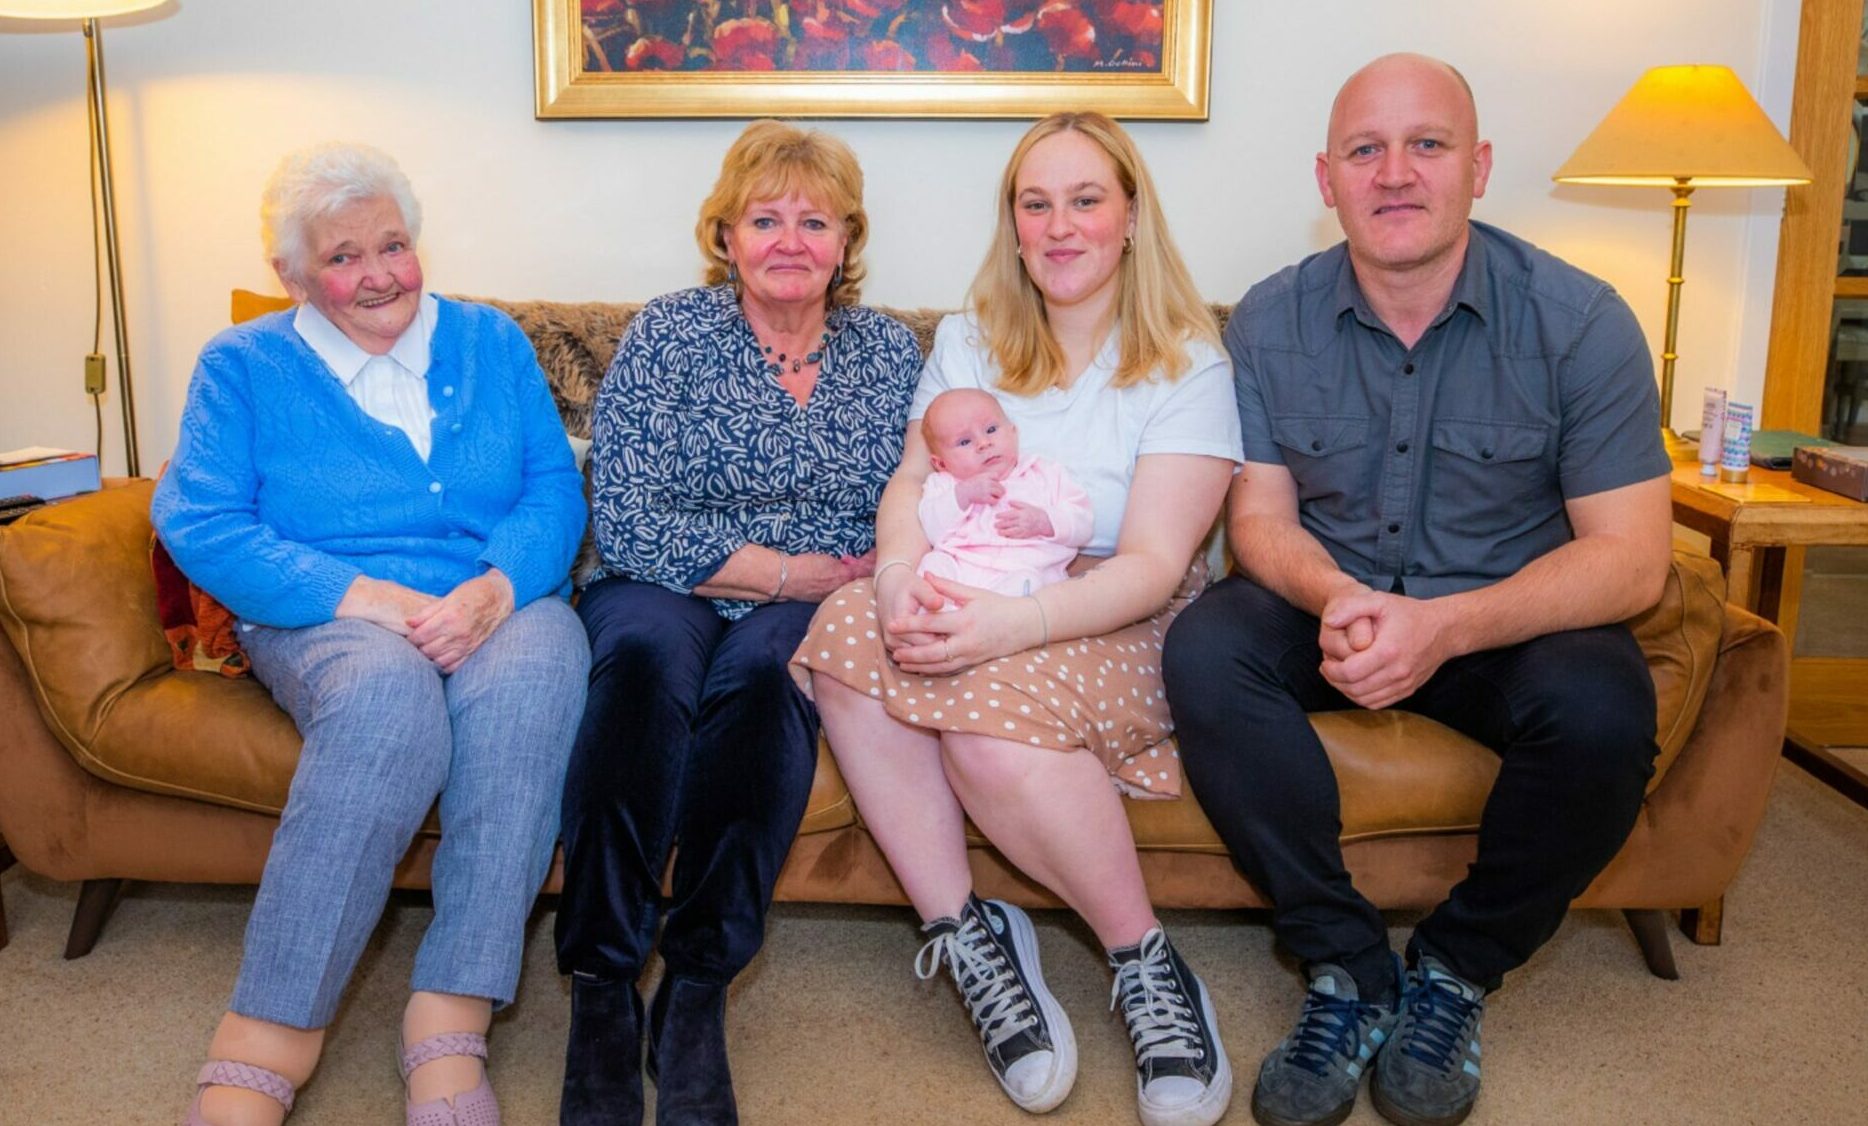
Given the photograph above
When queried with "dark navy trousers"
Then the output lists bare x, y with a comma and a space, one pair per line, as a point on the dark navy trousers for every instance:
1571, 716
694, 739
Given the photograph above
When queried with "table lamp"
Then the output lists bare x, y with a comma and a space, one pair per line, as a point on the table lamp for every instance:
1684, 127
103, 199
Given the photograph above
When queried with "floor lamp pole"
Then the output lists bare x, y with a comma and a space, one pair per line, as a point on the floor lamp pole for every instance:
1682, 199
100, 149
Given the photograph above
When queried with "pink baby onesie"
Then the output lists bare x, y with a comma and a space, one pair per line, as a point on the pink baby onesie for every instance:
969, 549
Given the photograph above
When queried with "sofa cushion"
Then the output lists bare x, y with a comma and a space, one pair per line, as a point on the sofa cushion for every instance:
78, 602
1397, 774
1402, 775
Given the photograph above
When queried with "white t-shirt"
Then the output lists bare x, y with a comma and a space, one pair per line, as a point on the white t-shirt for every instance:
1092, 430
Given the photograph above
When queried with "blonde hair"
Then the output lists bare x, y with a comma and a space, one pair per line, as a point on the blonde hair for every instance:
771, 160
1157, 306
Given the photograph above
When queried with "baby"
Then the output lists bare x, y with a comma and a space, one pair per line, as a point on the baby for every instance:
995, 520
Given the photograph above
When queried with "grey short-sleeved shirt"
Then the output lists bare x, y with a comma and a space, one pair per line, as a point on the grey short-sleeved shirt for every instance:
1446, 466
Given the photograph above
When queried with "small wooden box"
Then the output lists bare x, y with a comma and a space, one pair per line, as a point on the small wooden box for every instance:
1840, 469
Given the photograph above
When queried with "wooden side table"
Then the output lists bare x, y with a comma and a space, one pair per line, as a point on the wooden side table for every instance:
1751, 526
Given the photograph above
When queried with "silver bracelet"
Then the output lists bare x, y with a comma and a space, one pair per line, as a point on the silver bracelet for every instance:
886, 564
1044, 623
784, 573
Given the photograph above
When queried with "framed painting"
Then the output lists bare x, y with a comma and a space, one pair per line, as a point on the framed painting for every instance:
871, 58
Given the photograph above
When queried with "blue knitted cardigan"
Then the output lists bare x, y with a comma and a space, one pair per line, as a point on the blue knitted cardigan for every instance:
282, 490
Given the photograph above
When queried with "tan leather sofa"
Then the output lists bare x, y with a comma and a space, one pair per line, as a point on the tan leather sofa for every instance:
115, 767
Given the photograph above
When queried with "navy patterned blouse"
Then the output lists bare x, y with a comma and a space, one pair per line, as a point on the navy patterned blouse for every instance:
697, 451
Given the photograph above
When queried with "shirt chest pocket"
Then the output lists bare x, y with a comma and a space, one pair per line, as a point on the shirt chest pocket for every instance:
1319, 450
1489, 477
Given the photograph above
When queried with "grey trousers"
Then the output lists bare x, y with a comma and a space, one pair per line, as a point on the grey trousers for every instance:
385, 735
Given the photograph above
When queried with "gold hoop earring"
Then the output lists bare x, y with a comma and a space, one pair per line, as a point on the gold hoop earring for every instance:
1128, 244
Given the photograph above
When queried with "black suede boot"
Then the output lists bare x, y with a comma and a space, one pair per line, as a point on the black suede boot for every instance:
687, 1055
603, 1057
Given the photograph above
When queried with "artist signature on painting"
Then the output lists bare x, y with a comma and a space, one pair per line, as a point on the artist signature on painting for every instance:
1124, 64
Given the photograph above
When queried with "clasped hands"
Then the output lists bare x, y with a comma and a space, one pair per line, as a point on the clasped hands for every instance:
1378, 649
446, 630
924, 640
1018, 520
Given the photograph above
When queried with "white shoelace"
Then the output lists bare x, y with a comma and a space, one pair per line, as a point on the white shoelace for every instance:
997, 999
1159, 1016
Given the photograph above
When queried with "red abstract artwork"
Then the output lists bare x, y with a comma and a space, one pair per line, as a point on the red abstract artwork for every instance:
925, 36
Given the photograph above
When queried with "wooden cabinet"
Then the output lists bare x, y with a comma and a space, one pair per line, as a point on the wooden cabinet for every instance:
1816, 375
1819, 316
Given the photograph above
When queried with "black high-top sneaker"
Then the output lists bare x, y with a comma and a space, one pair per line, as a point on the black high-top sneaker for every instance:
1182, 1076
991, 952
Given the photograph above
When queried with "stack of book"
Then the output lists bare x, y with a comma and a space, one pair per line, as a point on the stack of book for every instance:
48, 474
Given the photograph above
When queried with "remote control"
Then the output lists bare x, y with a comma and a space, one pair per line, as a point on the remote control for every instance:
12, 508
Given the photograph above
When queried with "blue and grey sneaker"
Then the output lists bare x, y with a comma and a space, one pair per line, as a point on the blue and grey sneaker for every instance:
991, 952
1429, 1076
1182, 1075
1310, 1078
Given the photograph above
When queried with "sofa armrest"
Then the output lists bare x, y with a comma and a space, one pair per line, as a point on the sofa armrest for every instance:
1699, 822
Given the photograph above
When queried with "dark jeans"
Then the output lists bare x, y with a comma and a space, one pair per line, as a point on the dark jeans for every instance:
694, 736
1571, 716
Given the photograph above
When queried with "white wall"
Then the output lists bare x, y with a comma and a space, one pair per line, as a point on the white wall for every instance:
206, 96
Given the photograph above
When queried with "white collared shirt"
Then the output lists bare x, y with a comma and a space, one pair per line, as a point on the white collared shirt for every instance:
391, 388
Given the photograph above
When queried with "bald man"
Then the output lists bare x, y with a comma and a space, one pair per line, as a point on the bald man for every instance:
1455, 490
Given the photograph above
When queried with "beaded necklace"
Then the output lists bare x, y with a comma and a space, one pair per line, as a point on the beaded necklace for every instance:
777, 367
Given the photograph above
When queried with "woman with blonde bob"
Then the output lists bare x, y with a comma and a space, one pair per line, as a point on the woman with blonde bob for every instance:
741, 441
1033, 715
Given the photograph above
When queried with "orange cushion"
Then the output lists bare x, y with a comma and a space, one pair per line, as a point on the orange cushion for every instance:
248, 305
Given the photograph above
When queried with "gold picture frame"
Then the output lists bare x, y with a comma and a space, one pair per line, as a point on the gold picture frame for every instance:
1168, 84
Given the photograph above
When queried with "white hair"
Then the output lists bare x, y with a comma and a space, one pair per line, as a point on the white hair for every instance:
315, 183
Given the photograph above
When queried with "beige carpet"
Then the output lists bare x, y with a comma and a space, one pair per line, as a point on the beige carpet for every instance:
831, 1026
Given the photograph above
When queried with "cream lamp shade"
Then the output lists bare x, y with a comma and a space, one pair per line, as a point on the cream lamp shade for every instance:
1682, 128
71, 9
1693, 124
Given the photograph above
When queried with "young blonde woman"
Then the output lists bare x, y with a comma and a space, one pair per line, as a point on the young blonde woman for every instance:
1034, 715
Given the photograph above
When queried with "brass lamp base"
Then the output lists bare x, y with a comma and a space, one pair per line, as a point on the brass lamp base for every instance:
1682, 199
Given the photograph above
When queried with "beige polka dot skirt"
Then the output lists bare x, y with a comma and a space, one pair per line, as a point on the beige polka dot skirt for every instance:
1103, 693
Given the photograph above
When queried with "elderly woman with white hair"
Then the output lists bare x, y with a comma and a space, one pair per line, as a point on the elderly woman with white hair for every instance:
378, 486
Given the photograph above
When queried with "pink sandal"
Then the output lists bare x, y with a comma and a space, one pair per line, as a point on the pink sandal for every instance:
246, 1076
476, 1107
